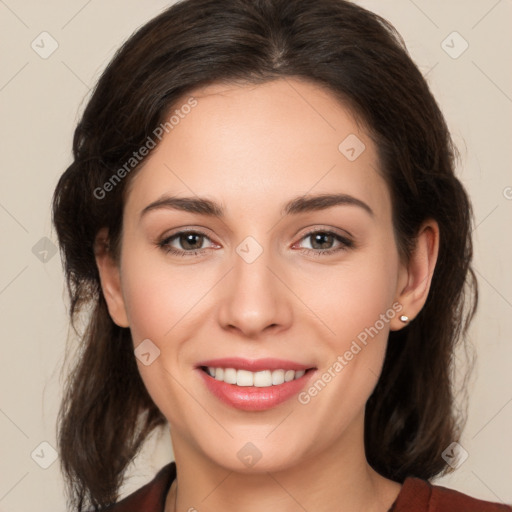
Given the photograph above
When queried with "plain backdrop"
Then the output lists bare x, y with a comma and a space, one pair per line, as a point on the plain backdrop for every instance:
41, 96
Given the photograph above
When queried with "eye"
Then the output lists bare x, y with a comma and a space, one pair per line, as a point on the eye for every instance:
190, 243
322, 242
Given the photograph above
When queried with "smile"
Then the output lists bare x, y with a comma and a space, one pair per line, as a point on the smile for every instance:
254, 385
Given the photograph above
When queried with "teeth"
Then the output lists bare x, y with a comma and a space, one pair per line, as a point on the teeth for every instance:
243, 378
277, 377
229, 375
263, 379
289, 375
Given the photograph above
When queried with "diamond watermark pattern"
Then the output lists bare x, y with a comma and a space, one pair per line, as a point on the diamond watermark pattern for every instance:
147, 352
249, 454
44, 455
44, 45
249, 249
351, 147
454, 45
44, 250
455, 455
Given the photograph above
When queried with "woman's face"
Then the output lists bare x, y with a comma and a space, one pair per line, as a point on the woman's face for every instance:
267, 273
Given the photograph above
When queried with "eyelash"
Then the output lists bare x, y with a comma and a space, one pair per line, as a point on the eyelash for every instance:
346, 244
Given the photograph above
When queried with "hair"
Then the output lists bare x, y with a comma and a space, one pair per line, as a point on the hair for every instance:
411, 417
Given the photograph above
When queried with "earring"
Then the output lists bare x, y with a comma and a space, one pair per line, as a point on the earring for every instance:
404, 319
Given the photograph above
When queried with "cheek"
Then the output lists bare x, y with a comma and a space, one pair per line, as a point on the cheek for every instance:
160, 306
352, 297
355, 303
352, 359
157, 296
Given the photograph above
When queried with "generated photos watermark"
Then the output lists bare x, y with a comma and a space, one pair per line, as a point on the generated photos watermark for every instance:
137, 156
355, 348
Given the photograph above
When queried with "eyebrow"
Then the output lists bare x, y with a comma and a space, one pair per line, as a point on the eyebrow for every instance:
300, 204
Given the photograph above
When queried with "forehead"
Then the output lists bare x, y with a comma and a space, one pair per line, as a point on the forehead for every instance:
257, 145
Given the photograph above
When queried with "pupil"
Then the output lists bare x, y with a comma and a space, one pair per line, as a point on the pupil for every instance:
318, 237
189, 238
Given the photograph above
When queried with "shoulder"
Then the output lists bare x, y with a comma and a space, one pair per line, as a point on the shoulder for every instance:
422, 496
150, 497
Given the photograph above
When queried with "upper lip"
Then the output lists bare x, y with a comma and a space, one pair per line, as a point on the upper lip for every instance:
254, 365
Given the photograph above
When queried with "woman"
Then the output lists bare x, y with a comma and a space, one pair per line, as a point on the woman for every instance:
263, 216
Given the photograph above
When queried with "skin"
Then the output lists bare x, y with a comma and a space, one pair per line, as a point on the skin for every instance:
251, 148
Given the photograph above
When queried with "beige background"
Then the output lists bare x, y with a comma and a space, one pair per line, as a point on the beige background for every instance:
40, 100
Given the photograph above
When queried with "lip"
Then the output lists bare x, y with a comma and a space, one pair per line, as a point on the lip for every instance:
256, 365
252, 398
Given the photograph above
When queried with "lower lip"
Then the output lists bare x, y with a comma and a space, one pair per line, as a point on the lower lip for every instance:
252, 398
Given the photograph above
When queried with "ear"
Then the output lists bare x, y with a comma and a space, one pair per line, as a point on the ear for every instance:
415, 277
110, 278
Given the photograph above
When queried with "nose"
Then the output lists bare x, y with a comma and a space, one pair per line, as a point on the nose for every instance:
255, 298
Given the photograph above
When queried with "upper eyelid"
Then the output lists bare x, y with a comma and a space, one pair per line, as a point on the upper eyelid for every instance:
326, 229
180, 231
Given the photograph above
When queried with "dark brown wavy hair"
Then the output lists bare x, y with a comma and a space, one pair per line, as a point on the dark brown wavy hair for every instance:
412, 415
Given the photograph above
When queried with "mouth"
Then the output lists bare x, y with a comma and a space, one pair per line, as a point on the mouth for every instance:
254, 385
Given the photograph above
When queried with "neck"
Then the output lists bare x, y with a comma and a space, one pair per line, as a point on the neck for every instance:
338, 478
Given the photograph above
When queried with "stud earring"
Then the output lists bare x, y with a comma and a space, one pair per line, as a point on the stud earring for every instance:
404, 319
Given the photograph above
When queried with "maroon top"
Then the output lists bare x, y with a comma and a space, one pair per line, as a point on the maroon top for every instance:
415, 496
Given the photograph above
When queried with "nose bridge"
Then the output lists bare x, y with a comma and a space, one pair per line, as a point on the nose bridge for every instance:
254, 298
